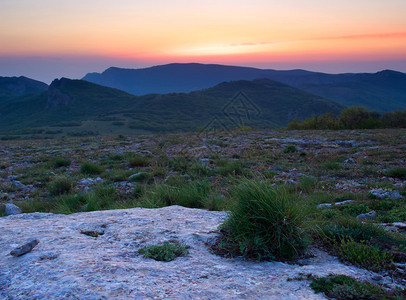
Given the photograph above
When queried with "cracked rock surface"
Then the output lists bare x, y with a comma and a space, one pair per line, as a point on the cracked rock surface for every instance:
68, 263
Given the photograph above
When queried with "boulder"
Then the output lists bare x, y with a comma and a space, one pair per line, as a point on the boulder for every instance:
12, 209
368, 216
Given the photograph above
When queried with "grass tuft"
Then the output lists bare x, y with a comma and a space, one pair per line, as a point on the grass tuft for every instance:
165, 252
264, 223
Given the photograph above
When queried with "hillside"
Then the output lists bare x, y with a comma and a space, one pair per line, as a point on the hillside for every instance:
73, 103
17, 86
382, 91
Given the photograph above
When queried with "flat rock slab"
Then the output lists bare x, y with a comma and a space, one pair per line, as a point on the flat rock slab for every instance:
69, 264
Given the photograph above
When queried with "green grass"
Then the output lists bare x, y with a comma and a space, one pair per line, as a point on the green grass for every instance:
60, 185
264, 223
60, 162
397, 173
194, 195
165, 252
137, 160
342, 287
227, 167
364, 254
90, 168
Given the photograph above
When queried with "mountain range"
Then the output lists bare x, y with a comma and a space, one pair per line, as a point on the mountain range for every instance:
83, 105
180, 97
383, 91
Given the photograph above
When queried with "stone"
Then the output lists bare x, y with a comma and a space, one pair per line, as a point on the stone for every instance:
350, 161
290, 182
24, 248
73, 265
329, 205
324, 205
368, 216
386, 194
12, 209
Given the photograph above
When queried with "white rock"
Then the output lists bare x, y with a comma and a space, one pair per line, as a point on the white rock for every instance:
68, 264
12, 209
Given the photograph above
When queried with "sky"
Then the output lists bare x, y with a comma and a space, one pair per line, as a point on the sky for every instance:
47, 39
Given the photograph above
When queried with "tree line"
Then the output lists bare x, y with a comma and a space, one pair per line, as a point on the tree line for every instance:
354, 117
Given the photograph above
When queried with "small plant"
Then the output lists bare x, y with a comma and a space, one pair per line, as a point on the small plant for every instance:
60, 185
397, 173
364, 254
165, 252
60, 162
264, 223
307, 184
290, 149
68, 204
227, 167
90, 168
342, 287
137, 160
332, 165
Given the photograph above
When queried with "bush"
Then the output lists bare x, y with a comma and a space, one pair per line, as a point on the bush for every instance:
60, 162
397, 173
264, 223
137, 160
307, 184
60, 185
90, 168
227, 167
342, 287
191, 195
68, 204
364, 254
165, 252
290, 149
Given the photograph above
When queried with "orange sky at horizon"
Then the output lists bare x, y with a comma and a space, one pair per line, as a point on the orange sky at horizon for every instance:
211, 31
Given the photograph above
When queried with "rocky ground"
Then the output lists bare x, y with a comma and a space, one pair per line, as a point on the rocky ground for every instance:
359, 175
68, 264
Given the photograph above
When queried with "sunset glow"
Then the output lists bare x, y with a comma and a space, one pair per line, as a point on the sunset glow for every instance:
269, 34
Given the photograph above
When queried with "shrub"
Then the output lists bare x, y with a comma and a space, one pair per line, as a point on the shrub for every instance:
342, 287
351, 227
60, 162
290, 149
307, 184
364, 254
227, 167
68, 204
137, 160
60, 185
165, 252
192, 195
397, 173
90, 168
264, 223
332, 165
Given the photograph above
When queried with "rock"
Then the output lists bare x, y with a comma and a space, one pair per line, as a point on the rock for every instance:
368, 216
24, 248
12, 209
396, 226
350, 161
86, 181
290, 182
324, 205
328, 205
109, 267
138, 176
345, 202
386, 194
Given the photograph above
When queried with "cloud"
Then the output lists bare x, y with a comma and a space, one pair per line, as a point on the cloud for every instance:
389, 35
